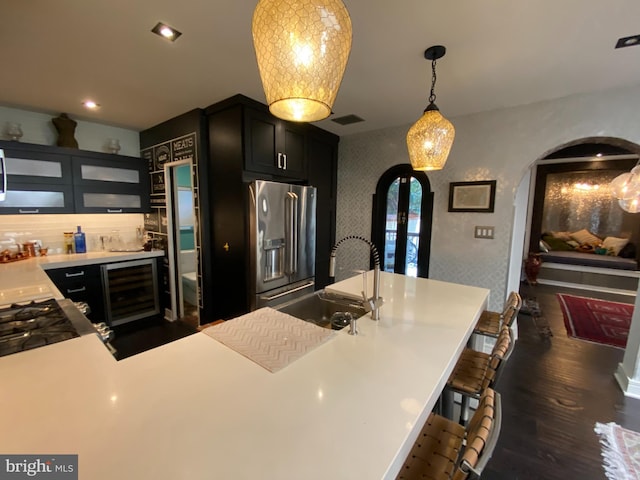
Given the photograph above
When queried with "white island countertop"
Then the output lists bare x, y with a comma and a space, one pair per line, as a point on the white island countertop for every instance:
25, 280
194, 409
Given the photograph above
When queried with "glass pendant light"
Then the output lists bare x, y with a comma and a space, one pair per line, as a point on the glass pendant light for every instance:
626, 189
302, 47
429, 140
632, 205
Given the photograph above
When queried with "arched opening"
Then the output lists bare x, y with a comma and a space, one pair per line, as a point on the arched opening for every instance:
401, 223
571, 190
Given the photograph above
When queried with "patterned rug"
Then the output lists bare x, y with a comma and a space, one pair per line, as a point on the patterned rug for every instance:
596, 320
620, 451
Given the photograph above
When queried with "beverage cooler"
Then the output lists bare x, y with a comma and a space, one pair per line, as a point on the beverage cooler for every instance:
130, 290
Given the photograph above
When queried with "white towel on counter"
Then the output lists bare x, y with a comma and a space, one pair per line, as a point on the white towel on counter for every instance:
270, 338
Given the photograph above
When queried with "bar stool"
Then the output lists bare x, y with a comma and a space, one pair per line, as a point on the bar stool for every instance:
444, 449
475, 372
490, 322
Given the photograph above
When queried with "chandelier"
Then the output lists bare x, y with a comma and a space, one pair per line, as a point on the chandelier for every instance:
302, 47
429, 140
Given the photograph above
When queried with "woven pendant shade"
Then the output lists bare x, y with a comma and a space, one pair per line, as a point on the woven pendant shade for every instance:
429, 141
302, 47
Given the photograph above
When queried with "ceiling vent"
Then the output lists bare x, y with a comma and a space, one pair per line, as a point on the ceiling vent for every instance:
347, 119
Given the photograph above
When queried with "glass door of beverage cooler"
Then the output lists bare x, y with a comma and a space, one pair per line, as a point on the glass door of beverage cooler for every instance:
130, 291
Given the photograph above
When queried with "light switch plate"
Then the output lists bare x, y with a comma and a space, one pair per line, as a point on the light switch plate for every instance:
484, 232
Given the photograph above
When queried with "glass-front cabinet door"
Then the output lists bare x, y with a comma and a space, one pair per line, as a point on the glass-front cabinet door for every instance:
37, 182
118, 185
24, 198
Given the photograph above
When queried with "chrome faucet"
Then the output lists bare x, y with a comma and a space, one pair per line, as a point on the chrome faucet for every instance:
371, 304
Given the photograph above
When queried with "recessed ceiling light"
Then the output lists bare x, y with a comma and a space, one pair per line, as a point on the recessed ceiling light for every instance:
90, 104
166, 31
628, 41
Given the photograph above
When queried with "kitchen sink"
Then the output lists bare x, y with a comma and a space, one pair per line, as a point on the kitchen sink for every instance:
324, 309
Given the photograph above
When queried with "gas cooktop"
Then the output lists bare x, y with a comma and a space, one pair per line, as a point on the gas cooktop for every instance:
36, 324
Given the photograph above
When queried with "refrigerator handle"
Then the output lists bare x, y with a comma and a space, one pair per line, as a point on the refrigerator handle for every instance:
3, 176
292, 232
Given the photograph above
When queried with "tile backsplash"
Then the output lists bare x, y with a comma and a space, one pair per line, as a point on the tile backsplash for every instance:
49, 230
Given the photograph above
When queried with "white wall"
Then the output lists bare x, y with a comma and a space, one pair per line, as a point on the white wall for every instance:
37, 128
500, 145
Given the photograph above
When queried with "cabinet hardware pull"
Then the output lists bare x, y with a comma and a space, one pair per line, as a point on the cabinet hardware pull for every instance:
114, 210
284, 155
37, 210
279, 160
76, 290
79, 274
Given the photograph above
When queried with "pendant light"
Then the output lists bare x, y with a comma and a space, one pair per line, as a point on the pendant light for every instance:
302, 47
626, 189
429, 139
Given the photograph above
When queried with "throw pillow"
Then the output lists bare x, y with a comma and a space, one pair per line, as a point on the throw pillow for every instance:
562, 235
585, 237
614, 245
556, 244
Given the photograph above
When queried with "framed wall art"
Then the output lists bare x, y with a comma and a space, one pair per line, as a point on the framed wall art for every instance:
472, 196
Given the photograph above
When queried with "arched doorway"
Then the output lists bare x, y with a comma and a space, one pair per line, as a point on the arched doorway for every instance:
401, 223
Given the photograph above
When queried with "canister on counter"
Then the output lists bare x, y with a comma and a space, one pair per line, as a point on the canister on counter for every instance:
68, 242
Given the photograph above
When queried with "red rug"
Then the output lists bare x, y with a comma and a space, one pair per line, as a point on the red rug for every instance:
596, 320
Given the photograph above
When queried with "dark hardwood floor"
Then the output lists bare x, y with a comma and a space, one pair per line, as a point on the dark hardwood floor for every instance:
137, 337
554, 389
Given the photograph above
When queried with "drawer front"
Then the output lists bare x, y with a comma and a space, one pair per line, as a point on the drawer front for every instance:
81, 284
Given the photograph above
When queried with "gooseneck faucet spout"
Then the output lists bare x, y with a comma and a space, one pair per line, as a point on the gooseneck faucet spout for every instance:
375, 302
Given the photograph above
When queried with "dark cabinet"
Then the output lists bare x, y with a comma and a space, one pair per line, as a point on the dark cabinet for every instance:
110, 185
37, 182
274, 146
116, 292
46, 179
244, 142
322, 169
81, 284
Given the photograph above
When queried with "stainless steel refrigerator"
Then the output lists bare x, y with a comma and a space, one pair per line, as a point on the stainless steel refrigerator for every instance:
282, 238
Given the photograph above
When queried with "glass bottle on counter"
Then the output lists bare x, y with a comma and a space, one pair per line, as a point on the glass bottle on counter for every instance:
68, 242
80, 241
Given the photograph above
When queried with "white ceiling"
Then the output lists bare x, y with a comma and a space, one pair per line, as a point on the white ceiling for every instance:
500, 53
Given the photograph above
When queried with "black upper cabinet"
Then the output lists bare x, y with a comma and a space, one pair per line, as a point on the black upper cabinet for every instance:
110, 185
272, 149
274, 146
49, 179
37, 181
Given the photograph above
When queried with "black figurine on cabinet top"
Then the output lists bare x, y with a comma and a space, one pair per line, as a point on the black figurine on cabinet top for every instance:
66, 128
